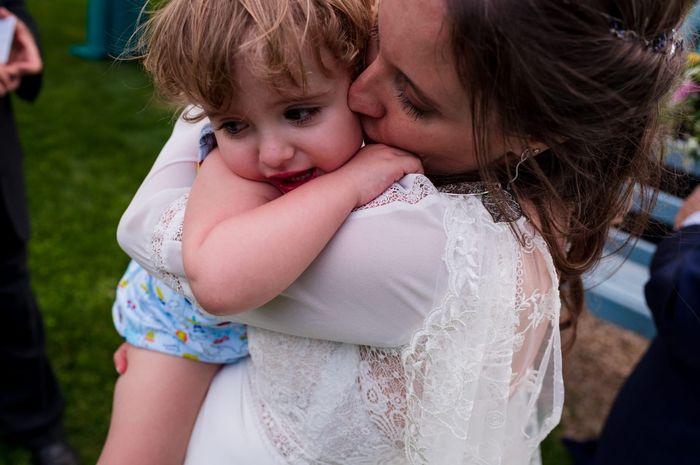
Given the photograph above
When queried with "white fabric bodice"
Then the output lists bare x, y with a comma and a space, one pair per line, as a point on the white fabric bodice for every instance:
479, 382
446, 323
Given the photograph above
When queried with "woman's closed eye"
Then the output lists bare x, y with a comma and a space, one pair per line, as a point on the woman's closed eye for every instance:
409, 107
407, 99
302, 115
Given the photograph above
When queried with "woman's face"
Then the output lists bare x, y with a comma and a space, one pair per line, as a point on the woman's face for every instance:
410, 96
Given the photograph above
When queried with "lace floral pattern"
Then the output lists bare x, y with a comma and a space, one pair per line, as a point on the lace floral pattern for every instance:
418, 190
169, 229
470, 389
459, 393
479, 383
330, 409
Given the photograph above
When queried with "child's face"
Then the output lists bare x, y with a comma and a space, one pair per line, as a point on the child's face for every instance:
287, 141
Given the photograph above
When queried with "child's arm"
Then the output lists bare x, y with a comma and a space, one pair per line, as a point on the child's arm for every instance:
239, 257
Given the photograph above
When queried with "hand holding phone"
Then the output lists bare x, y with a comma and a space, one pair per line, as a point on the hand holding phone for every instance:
7, 34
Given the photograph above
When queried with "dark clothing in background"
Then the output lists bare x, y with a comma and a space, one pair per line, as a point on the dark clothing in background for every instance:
655, 419
31, 404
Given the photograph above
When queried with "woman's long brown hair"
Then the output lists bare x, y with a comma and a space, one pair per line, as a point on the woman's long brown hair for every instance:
589, 79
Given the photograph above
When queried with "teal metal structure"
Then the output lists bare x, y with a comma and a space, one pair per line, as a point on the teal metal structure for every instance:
111, 29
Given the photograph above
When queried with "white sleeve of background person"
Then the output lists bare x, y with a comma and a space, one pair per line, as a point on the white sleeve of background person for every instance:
691, 220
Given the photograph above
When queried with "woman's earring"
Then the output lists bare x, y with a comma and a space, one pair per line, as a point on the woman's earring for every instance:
523, 157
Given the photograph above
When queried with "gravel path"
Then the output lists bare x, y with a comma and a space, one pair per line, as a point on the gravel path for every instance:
594, 370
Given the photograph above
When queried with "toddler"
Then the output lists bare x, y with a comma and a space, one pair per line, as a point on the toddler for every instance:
272, 77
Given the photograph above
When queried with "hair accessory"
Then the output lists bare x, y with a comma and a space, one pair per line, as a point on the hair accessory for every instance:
664, 43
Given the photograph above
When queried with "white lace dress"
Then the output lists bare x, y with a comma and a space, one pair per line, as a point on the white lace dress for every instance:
445, 324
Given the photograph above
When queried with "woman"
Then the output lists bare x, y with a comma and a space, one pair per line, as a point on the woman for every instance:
444, 299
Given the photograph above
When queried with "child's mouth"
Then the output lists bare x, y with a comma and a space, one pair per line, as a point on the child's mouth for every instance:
286, 182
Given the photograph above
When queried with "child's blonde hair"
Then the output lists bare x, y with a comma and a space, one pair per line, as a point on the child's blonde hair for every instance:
191, 46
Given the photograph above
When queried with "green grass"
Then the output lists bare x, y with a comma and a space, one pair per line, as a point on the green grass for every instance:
89, 140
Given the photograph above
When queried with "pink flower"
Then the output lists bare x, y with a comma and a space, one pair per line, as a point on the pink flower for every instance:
686, 89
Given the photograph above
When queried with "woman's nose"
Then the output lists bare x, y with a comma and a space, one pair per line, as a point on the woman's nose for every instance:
363, 96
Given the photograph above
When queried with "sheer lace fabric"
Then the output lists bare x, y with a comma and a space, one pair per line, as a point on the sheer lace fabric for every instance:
461, 356
168, 234
476, 381
483, 375
479, 383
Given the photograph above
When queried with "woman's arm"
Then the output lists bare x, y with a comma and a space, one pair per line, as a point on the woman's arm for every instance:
168, 182
243, 245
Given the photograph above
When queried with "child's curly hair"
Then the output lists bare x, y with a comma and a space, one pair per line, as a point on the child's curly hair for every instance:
191, 47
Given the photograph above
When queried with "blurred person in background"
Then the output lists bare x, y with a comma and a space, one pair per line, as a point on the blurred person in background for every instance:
656, 416
31, 404
655, 419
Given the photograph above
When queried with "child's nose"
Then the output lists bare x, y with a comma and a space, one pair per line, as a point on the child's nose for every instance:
275, 154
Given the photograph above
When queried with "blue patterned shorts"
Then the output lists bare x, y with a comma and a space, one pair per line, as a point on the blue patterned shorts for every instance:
150, 315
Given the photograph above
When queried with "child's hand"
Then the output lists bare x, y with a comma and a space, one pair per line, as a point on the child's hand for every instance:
119, 358
376, 167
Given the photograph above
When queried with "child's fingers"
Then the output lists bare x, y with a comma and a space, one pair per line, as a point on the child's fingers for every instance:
120, 360
414, 164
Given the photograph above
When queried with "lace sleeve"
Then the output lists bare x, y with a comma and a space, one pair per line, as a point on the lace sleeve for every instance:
491, 348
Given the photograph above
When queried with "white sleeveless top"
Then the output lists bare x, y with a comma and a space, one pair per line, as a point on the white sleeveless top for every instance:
445, 324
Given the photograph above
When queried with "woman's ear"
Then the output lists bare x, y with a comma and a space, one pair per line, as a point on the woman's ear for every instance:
536, 146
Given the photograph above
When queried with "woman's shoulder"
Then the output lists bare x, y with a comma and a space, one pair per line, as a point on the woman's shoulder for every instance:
417, 192
409, 190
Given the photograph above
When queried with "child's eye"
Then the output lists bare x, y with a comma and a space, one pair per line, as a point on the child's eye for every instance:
299, 116
233, 127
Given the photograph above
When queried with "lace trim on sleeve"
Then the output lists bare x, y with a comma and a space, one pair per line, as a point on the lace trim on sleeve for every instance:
169, 230
420, 188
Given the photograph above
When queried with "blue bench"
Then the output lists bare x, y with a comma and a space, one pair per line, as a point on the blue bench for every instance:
615, 287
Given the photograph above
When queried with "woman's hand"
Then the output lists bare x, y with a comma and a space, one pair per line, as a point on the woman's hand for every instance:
376, 167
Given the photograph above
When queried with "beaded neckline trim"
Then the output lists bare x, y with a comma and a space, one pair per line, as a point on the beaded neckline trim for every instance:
500, 204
